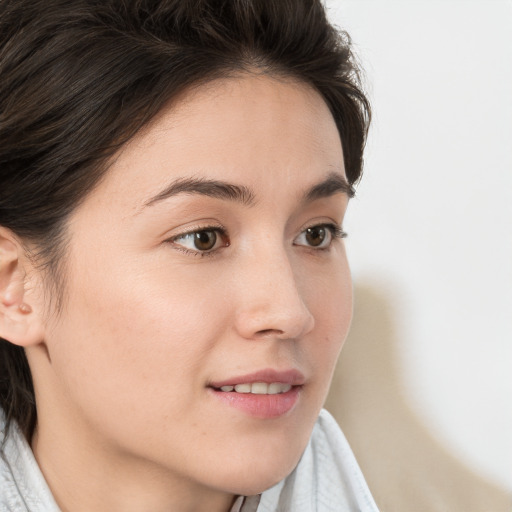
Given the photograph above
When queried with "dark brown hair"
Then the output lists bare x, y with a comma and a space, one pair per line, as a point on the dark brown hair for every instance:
78, 78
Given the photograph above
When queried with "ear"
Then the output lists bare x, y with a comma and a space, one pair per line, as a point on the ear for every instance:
20, 320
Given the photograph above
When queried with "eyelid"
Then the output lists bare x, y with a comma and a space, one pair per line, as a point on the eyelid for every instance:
335, 228
220, 230
335, 232
198, 229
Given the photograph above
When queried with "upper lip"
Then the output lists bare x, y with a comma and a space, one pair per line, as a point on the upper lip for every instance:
292, 376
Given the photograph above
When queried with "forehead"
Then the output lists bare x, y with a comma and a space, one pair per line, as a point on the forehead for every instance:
254, 130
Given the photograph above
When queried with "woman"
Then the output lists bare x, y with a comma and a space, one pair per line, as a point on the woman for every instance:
174, 288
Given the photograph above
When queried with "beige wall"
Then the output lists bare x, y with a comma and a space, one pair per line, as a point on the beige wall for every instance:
406, 467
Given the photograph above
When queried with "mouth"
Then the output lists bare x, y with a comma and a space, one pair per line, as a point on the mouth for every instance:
257, 388
265, 394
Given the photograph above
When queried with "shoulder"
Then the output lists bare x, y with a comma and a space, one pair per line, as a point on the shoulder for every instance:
21, 481
327, 478
10, 499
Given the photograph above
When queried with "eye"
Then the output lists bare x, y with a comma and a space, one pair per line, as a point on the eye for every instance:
201, 241
320, 236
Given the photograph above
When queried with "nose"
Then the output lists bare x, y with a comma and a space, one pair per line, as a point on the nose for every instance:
269, 302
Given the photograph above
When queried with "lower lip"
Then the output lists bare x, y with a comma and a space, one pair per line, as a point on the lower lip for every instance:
260, 406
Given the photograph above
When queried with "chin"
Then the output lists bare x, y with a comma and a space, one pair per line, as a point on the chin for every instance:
256, 486
256, 478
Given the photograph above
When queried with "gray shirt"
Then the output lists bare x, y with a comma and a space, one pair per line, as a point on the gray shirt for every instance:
327, 478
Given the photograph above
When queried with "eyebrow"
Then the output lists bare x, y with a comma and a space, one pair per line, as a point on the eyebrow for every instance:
334, 183
205, 187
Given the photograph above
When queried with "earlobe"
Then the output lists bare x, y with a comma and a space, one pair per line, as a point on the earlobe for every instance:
19, 322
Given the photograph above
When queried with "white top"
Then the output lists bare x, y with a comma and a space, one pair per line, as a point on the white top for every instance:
326, 479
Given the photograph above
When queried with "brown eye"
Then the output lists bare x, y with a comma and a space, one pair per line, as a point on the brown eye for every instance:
319, 237
316, 235
202, 241
205, 240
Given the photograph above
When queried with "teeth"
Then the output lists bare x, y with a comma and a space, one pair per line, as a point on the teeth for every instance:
259, 388
276, 387
243, 388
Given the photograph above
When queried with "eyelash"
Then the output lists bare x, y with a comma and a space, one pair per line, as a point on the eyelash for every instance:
335, 230
201, 254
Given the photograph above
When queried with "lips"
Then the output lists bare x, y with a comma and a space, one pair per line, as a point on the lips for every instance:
258, 388
264, 394
268, 376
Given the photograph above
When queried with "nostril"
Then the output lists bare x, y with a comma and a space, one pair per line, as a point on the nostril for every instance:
264, 333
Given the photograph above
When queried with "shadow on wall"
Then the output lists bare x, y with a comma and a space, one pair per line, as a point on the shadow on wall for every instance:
406, 469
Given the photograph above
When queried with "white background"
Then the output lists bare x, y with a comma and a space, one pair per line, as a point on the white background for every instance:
430, 231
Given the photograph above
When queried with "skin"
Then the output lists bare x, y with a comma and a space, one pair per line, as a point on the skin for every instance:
126, 420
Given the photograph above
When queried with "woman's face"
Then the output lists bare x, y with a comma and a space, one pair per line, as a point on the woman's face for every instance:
209, 256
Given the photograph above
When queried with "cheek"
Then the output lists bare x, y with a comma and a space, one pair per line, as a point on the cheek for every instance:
133, 339
327, 291
331, 305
